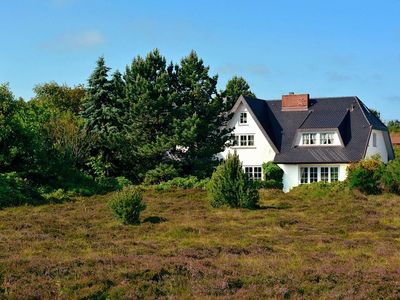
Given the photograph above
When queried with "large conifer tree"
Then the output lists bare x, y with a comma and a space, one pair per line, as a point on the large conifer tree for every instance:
235, 87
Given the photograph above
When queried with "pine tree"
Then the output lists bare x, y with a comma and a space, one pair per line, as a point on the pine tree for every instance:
149, 97
235, 87
102, 120
200, 120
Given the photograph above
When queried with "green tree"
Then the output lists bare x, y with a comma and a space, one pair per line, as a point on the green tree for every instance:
200, 120
235, 87
394, 125
149, 96
102, 115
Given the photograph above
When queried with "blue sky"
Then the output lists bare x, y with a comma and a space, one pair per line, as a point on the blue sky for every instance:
325, 48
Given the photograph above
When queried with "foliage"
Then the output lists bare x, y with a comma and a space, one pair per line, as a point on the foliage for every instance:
366, 175
272, 171
58, 196
321, 189
161, 173
268, 184
394, 126
127, 205
15, 191
230, 186
190, 182
391, 176
235, 87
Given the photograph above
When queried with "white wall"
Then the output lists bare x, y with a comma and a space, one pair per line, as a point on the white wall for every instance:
380, 146
250, 156
291, 176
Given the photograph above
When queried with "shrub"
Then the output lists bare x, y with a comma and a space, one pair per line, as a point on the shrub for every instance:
366, 175
180, 182
320, 190
58, 196
16, 191
127, 205
267, 184
108, 184
230, 186
161, 173
391, 176
272, 172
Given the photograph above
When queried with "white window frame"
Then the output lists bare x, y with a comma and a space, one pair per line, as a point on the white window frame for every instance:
308, 170
374, 141
245, 137
251, 171
243, 118
318, 138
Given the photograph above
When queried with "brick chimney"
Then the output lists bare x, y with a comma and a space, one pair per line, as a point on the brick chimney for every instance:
295, 102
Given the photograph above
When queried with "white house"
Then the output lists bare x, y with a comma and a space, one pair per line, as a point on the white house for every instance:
310, 139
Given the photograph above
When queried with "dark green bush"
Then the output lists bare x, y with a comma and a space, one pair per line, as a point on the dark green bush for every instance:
127, 205
391, 176
267, 184
161, 173
190, 182
15, 191
58, 196
230, 186
272, 172
320, 189
109, 184
366, 175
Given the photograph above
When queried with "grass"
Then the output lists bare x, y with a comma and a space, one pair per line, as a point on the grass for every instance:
293, 247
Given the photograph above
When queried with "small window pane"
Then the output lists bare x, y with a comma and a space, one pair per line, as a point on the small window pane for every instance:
249, 171
236, 141
313, 138
257, 173
374, 139
243, 118
325, 174
304, 175
334, 174
306, 139
326, 138
250, 140
243, 140
313, 174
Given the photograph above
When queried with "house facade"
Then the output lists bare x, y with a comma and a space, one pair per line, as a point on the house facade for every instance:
310, 139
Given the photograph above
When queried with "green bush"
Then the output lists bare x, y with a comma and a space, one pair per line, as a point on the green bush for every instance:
230, 186
15, 191
190, 182
161, 173
267, 184
320, 189
366, 175
127, 205
58, 196
272, 172
109, 184
391, 176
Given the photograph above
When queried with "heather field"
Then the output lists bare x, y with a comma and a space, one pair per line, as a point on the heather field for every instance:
334, 246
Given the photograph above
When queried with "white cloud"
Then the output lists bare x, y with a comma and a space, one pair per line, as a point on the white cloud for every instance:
76, 41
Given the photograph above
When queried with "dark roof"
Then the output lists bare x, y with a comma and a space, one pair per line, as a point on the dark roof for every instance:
348, 115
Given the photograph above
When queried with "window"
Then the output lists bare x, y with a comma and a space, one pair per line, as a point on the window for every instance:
254, 173
326, 138
309, 138
374, 139
243, 118
334, 174
315, 138
250, 140
303, 175
325, 174
314, 174
244, 140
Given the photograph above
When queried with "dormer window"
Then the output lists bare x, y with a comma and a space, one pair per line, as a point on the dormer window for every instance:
317, 138
243, 118
309, 138
326, 138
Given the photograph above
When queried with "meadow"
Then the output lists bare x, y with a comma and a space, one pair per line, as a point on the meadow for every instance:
332, 246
